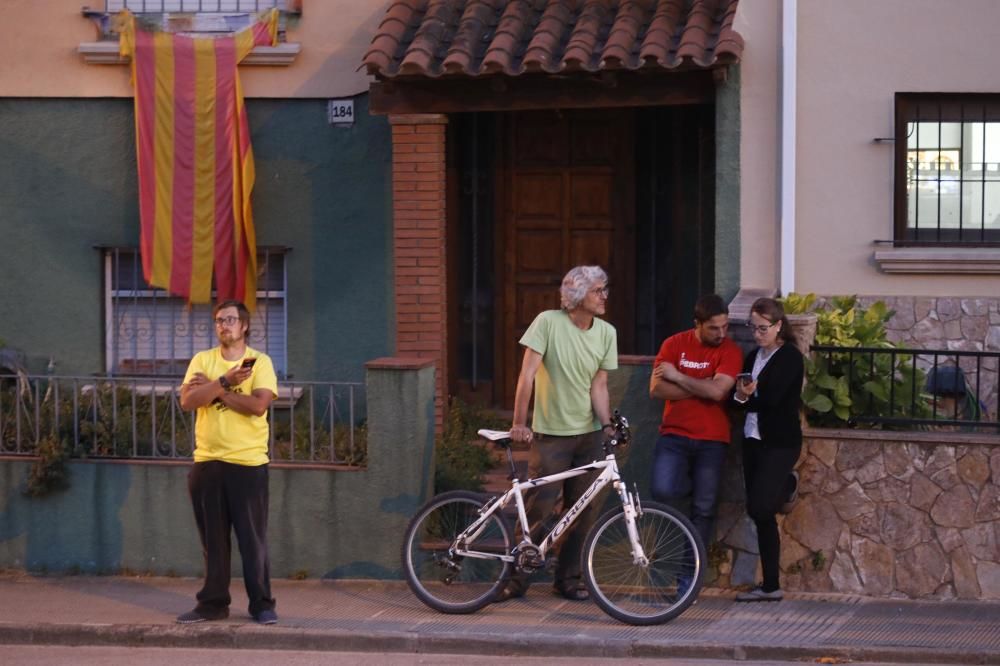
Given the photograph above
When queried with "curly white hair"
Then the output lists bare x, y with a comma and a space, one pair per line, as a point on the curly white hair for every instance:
578, 281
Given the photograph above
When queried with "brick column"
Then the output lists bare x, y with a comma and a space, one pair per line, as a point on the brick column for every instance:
418, 192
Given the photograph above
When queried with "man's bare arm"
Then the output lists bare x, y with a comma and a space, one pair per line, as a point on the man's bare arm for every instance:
599, 398
715, 388
201, 390
661, 389
254, 404
519, 430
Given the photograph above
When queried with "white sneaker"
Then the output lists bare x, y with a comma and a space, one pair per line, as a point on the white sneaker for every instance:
758, 594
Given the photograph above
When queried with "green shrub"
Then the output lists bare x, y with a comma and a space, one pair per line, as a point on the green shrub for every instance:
842, 387
460, 457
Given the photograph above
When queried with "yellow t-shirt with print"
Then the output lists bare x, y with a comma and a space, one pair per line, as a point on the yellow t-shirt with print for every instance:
220, 433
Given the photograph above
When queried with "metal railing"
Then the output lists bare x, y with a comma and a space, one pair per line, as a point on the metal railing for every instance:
141, 418
200, 6
911, 387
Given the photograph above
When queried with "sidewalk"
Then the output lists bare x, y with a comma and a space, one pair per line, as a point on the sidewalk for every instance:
384, 617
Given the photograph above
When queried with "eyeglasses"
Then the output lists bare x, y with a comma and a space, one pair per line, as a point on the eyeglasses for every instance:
226, 321
601, 291
762, 329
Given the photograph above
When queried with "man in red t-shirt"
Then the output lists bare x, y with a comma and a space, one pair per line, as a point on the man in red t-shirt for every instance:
694, 373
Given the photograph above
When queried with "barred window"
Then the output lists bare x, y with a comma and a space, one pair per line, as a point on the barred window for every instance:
947, 169
149, 333
201, 16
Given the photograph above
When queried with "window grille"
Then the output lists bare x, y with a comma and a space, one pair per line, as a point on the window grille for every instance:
150, 333
947, 169
194, 16
196, 6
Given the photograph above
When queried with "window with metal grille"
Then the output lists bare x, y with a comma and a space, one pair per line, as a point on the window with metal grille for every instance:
947, 184
194, 16
149, 333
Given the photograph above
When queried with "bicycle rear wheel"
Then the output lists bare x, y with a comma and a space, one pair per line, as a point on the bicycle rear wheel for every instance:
644, 594
449, 583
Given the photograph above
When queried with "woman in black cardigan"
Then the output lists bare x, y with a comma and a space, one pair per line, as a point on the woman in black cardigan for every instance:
772, 433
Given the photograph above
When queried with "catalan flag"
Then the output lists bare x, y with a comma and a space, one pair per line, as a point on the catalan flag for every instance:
195, 163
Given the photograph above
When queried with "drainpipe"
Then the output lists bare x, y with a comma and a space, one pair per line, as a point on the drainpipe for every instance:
789, 13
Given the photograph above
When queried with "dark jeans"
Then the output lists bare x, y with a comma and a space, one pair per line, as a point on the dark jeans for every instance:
685, 468
229, 498
550, 455
766, 470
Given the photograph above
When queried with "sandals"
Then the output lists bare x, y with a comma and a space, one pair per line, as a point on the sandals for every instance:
508, 593
572, 591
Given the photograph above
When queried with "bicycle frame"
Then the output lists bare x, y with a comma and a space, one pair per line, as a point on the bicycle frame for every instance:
609, 475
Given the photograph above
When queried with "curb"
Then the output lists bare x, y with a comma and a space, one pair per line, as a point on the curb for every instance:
252, 637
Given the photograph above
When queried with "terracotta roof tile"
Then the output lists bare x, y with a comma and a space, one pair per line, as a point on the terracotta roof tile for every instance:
431, 38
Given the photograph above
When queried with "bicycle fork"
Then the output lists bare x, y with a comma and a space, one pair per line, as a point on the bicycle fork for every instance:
632, 509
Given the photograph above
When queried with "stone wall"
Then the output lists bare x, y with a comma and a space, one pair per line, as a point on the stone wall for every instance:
884, 514
954, 324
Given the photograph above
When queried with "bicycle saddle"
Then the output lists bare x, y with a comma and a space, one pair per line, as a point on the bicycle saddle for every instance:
494, 435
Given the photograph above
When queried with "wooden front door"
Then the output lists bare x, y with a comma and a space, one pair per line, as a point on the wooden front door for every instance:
567, 199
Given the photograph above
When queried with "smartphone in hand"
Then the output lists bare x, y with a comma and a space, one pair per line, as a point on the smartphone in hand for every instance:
744, 377
248, 362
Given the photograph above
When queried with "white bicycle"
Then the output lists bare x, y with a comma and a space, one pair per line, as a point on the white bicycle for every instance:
643, 563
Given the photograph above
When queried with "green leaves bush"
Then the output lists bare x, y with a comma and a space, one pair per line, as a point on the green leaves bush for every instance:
843, 389
460, 457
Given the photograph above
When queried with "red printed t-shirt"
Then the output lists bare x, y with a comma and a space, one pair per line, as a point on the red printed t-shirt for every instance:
698, 418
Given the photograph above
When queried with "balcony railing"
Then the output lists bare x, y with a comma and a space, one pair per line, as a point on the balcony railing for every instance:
910, 387
141, 418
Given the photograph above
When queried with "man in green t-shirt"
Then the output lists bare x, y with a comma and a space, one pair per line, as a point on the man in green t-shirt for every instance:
567, 356
231, 386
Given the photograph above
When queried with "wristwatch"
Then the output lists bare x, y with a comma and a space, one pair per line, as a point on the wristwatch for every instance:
224, 383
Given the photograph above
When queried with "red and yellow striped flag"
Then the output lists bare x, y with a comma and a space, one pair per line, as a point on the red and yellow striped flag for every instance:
195, 163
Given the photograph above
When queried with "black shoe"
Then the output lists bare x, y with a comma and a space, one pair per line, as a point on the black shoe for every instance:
195, 616
266, 616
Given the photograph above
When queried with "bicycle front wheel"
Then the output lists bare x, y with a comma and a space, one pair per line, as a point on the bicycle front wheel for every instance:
644, 593
447, 582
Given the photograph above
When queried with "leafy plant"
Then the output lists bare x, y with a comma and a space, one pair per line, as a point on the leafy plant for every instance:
294, 441
843, 387
460, 460
48, 473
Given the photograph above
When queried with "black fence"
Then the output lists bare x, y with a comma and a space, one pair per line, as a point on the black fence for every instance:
924, 388
141, 418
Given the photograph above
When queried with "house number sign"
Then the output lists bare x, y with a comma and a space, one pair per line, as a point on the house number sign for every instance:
340, 112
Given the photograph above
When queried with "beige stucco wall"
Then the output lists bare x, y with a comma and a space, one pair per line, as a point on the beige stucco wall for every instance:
40, 59
759, 21
853, 55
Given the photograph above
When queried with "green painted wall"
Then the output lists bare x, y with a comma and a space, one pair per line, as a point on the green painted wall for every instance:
68, 183
136, 516
727, 185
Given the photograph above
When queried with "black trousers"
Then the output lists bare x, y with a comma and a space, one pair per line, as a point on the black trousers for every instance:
228, 498
765, 473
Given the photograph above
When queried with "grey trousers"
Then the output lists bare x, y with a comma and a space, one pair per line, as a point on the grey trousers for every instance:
549, 455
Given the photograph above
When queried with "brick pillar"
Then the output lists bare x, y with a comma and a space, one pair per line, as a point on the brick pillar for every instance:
418, 211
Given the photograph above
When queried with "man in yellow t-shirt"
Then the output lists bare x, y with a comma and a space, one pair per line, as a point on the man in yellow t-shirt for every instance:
232, 387
567, 356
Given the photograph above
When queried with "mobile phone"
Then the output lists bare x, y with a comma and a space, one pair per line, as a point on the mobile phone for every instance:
248, 362
744, 377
